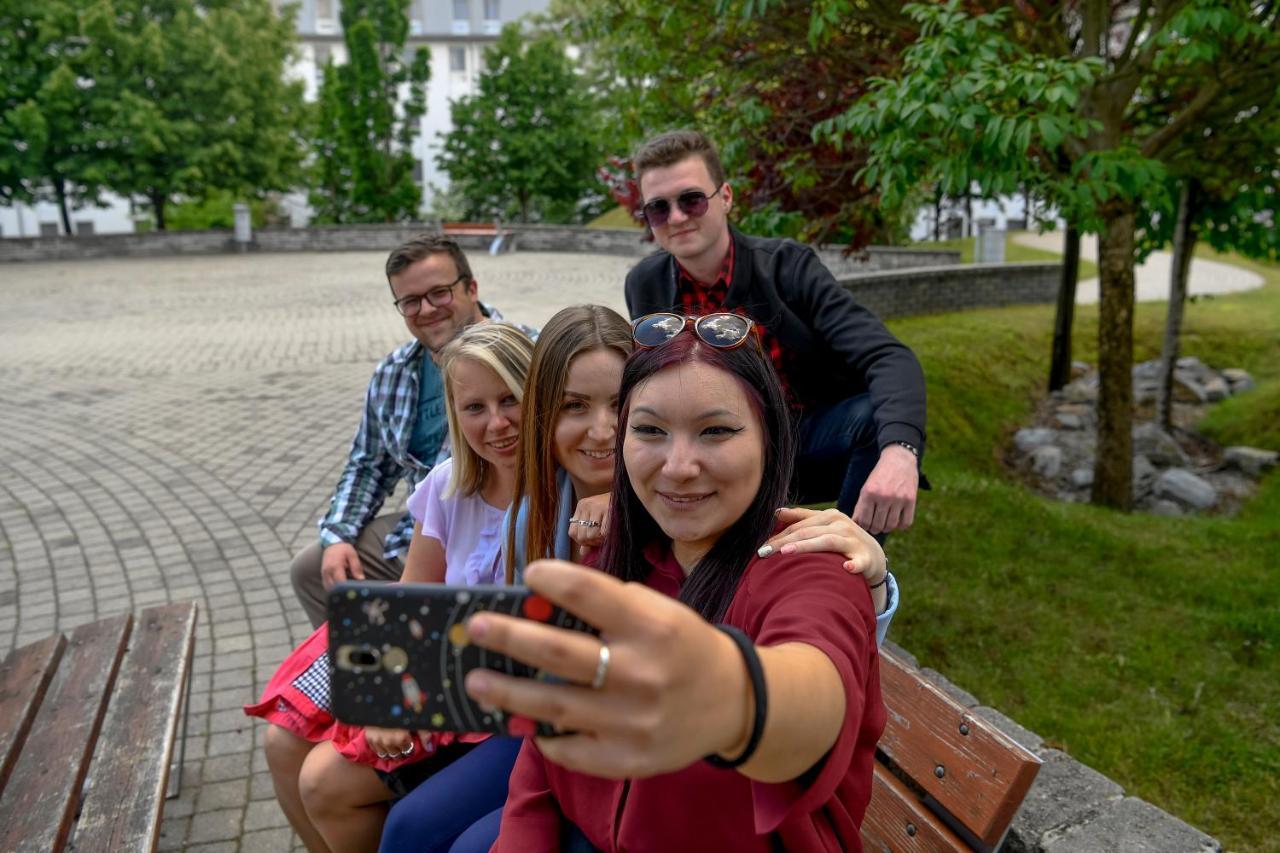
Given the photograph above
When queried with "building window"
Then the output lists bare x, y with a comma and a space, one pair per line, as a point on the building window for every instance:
326, 16
417, 171
458, 59
461, 17
491, 10
49, 229
322, 59
84, 227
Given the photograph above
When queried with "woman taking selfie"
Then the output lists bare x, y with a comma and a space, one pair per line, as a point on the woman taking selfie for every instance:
567, 451
731, 702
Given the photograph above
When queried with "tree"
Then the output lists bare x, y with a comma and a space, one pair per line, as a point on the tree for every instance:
757, 84
46, 145
1087, 103
370, 110
525, 145
192, 98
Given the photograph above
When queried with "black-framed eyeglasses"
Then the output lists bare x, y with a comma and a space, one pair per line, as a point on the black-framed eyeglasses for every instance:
721, 330
692, 203
437, 297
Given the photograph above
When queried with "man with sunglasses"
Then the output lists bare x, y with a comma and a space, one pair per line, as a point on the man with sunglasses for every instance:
858, 390
403, 430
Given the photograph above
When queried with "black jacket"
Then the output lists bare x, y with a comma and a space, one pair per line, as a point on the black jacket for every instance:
836, 348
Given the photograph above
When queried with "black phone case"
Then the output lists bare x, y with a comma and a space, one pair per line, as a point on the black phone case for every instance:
398, 654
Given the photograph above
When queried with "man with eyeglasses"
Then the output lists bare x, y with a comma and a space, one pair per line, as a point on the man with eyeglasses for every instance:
403, 430
858, 390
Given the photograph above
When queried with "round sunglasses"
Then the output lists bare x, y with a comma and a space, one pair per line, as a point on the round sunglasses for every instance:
722, 330
692, 203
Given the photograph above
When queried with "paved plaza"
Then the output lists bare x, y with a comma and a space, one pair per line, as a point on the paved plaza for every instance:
171, 430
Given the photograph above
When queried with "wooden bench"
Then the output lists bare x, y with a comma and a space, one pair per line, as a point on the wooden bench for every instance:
945, 778
88, 725
471, 229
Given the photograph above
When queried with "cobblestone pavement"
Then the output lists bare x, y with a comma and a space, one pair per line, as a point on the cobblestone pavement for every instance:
171, 430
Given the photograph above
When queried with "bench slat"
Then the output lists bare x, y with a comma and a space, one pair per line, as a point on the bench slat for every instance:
985, 774
24, 678
895, 821
39, 803
129, 775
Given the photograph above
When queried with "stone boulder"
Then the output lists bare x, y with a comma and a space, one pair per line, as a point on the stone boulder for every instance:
1251, 460
1157, 445
1029, 438
1046, 460
1239, 380
1187, 488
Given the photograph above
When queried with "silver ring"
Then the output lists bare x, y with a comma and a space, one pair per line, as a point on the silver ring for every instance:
584, 522
406, 751
602, 667
383, 755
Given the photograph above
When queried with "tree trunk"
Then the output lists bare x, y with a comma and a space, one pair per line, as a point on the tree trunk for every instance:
1060, 364
60, 190
157, 206
937, 213
1113, 468
1184, 241
1026, 205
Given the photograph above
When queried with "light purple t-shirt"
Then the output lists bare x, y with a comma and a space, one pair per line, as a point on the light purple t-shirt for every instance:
469, 528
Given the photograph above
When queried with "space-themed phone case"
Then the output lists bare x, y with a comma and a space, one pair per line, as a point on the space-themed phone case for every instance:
398, 654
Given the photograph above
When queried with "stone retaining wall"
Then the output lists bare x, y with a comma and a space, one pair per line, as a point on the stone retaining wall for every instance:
936, 290
1072, 808
357, 238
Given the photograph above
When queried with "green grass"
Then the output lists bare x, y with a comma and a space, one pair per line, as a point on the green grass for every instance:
614, 217
1013, 253
1146, 647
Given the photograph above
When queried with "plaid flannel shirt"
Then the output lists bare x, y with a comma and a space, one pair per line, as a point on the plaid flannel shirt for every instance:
379, 457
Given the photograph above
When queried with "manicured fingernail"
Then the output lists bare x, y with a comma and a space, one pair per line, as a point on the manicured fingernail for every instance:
765, 551
789, 548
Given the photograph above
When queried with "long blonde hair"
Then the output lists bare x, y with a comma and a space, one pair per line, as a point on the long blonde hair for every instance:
571, 332
506, 351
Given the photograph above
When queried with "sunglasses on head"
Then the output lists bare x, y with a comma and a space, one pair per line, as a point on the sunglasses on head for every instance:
722, 331
692, 203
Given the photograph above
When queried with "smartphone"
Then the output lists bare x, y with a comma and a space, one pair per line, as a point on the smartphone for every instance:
399, 653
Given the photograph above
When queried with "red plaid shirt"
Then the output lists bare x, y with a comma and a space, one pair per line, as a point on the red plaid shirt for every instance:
697, 299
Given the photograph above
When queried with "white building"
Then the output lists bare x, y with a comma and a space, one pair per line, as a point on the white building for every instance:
456, 32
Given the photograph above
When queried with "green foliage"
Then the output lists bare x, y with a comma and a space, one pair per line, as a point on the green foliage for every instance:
364, 131
524, 146
756, 82
217, 210
1098, 630
190, 97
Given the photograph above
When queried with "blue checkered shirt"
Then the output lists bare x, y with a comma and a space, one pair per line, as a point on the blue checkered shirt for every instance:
380, 457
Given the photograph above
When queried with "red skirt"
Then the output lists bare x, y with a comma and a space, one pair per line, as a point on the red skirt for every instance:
297, 699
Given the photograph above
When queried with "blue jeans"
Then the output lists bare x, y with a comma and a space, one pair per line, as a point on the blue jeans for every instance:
837, 448
438, 814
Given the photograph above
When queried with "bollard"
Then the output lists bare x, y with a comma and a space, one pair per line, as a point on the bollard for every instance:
244, 226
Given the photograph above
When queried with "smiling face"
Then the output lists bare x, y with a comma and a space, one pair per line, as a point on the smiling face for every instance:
488, 412
434, 326
587, 422
697, 241
694, 453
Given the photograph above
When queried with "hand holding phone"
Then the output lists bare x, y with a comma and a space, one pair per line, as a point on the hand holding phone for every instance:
399, 654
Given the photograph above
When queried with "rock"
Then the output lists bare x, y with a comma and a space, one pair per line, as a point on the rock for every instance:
1143, 472
1239, 380
1082, 478
1166, 508
1251, 460
1082, 390
1149, 370
1029, 438
1190, 362
1186, 487
1079, 368
1046, 460
1068, 421
1157, 445
1216, 388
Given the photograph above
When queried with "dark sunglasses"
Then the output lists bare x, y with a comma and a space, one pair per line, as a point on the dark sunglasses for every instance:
722, 331
692, 203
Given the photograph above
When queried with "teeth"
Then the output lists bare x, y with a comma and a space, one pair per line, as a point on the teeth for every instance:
598, 454
680, 499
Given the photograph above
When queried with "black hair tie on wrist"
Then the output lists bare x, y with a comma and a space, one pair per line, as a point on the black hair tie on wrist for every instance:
756, 672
